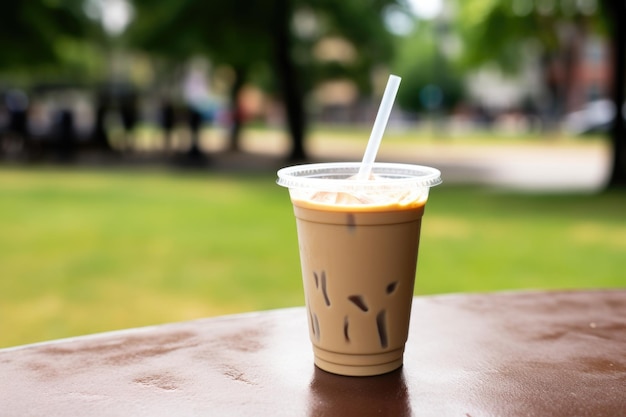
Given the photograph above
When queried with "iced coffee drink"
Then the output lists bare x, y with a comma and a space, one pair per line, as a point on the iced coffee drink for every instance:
358, 248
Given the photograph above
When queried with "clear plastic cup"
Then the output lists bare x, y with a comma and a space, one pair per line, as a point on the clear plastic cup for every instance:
358, 243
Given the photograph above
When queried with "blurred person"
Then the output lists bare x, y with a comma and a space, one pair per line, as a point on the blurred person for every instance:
15, 135
199, 107
100, 134
129, 117
17, 104
167, 121
65, 135
195, 122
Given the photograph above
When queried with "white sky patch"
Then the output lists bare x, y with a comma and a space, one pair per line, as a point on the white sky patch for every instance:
426, 9
114, 15
398, 21
402, 20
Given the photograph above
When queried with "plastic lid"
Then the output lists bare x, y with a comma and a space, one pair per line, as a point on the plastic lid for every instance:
336, 177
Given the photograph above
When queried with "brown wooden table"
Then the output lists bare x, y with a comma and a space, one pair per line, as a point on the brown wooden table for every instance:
503, 354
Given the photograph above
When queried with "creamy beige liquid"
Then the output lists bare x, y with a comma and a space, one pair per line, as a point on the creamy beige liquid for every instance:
358, 268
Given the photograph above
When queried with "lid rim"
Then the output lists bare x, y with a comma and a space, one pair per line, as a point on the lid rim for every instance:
308, 176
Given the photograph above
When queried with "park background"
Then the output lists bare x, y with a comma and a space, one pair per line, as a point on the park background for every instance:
139, 145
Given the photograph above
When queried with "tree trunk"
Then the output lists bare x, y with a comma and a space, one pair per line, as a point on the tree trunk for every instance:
287, 75
236, 121
617, 15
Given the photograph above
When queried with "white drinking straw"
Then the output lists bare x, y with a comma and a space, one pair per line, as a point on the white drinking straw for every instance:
379, 127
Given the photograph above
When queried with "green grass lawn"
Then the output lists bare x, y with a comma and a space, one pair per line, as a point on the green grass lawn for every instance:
84, 251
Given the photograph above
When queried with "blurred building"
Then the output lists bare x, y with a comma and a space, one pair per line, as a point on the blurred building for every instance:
590, 72
570, 78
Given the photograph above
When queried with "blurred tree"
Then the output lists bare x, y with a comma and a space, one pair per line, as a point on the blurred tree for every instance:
29, 31
502, 32
615, 11
224, 31
278, 33
44, 46
498, 31
427, 68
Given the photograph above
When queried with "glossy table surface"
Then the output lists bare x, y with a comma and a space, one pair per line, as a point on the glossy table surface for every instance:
501, 354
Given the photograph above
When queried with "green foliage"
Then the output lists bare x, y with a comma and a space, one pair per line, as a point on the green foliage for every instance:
422, 63
30, 29
243, 35
224, 30
494, 31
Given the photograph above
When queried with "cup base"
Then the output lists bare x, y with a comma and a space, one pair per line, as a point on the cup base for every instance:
358, 364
